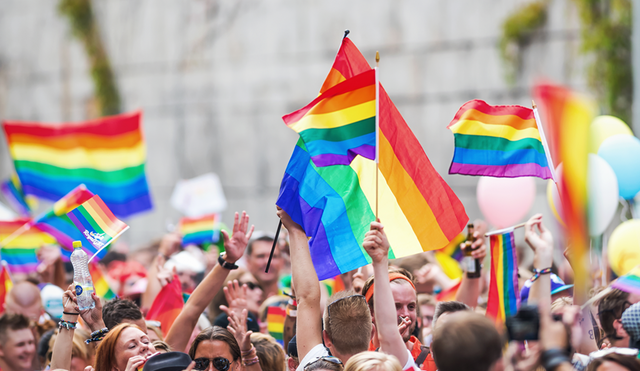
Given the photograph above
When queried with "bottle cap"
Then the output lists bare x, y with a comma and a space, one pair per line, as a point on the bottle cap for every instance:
77, 244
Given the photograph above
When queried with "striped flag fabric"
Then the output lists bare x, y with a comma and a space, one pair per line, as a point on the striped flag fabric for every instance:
13, 193
167, 305
20, 252
335, 204
200, 230
275, 323
100, 283
630, 282
504, 295
5, 285
107, 154
340, 123
450, 293
497, 141
96, 222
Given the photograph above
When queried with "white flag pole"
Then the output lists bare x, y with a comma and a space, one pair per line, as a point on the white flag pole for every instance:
550, 163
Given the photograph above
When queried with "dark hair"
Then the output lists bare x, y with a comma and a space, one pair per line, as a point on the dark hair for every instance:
449, 307
370, 282
117, 310
112, 256
629, 362
468, 342
610, 308
263, 239
216, 333
13, 322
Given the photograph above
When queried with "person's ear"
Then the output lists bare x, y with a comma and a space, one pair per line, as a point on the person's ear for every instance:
617, 325
327, 341
291, 364
373, 331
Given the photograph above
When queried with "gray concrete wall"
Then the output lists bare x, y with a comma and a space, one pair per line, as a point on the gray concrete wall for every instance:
214, 77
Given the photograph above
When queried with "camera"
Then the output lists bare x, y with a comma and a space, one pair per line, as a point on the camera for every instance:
525, 325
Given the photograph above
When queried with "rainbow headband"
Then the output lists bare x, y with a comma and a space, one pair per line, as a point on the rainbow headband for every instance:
392, 277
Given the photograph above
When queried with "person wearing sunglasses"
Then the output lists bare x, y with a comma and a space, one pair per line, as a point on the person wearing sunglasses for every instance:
347, 320
215, 349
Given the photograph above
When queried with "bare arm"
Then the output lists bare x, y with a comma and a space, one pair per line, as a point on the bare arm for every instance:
377, 246
541, 242
180, 332
61, 353
170, 244
305, 279
469, 290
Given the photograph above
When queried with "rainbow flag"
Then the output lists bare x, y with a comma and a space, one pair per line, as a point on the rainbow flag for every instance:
498, 141
200, 230
5, 285
167, 305
504, 296
449, 294
107, 154
340, 123
100, 284
568, 118
630, 282
20, 252
335, 204
453, 248
96, 222
12, 192
275, 323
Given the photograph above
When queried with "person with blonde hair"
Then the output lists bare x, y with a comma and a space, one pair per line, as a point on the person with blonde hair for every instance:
270, 353
373, 361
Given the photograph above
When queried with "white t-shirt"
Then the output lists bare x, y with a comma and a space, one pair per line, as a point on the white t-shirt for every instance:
320, 351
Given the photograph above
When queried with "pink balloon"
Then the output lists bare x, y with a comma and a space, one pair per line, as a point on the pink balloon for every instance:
505, 201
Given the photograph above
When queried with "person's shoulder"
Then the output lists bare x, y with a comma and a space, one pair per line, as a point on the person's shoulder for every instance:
318, 351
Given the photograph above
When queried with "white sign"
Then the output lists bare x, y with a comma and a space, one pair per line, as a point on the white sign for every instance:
199, 196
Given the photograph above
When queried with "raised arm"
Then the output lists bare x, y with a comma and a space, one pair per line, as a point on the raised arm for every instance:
469, 290
377, 246
305, 279
170, 244
61, 353
541, 242
180, 332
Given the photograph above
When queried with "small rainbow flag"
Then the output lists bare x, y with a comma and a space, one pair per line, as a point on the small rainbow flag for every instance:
20, 252
275, 323
13, 193
5, 285
100, 284
167, 305
340, 123
200, 230
96, 222
504, 296
630, 282
450, 293
453, 248
497, 141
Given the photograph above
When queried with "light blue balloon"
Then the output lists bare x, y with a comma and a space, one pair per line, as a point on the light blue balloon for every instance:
622, 152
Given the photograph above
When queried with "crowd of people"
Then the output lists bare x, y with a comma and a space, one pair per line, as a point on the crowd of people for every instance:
383, 317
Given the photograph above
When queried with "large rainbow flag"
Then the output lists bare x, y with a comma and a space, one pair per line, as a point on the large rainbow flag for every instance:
335, 204
5, 285
108, 155
340, 123
498, 141
504, 296
568, 117
20, 252
200, 230
96, 222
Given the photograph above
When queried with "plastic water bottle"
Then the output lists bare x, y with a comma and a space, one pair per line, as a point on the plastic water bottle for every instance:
81, 277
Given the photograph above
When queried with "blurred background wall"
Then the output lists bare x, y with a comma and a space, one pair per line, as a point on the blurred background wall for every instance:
214, 77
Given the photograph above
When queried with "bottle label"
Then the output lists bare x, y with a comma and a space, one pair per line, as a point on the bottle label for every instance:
78, 290
470, 264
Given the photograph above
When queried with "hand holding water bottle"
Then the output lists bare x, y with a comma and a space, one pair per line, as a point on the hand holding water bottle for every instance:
82, 278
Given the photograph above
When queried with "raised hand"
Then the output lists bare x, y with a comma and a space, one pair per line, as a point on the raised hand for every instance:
69, 300
376, 243
478, 247
287, 221
238, 328
164, 275
93, 316
170, 244
236, 296
235, 245
540, 241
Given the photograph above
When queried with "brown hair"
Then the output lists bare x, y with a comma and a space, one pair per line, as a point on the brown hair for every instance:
473, 333
370, 281
269, 352
610, 308
448, 307
13, 322
106, 352
367, 361
631, 363
350, 325
427, 299
215, 333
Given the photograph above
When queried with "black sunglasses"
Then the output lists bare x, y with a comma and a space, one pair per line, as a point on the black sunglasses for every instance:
219, 363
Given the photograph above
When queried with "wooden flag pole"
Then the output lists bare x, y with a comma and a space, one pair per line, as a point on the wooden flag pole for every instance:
550, 163
273, 248
377, 128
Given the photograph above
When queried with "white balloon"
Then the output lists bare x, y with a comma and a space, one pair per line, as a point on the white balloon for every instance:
603, 195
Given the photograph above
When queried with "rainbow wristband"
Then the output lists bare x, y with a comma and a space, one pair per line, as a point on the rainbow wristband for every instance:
538, 273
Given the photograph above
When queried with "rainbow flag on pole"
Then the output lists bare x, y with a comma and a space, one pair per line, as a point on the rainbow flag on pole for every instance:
504, 296
107, 154
96, 222
20, 251
100, 284
498, 141
630, 282
200, 230
275, 323
335, 204
5, 284
340, 123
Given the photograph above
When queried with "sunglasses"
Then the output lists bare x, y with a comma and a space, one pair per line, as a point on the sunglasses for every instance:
621, 351
251, 285
331, 359
219, 363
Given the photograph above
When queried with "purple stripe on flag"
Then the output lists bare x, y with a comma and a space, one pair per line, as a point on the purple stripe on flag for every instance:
501, 171
22, 268
329, 159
